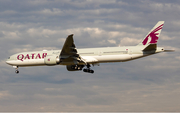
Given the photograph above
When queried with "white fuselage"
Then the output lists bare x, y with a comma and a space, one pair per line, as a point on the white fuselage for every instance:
78, 59
90, 55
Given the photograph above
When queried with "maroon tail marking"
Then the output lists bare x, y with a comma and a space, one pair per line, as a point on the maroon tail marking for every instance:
153, 36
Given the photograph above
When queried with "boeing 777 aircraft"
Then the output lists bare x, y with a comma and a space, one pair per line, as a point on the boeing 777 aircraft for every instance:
77, 59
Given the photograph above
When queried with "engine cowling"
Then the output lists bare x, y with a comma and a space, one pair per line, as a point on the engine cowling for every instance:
51, 60
74, 67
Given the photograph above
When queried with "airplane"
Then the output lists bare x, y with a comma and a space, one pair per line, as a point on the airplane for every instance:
82, 59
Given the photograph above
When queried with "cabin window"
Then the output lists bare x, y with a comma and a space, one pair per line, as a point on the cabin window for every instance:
111, 52
87, 53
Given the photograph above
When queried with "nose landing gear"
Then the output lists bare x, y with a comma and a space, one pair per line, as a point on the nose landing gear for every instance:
16, 71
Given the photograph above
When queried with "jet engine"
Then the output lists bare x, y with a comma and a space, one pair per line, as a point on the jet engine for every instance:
74, 67
52, 60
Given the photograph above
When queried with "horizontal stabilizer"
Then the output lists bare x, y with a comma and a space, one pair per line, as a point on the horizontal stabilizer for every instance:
150, 47
169, 50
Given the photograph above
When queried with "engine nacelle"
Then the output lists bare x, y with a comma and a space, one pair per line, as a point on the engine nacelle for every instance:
74, 67
51, 60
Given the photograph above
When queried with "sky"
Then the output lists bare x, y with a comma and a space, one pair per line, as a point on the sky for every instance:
147, 84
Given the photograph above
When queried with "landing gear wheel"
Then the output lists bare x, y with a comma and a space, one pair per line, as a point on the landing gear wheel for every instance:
16, 67
85, 70
88, 70
16, 71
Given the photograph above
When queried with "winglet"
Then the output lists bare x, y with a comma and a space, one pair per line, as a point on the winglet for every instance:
153, 36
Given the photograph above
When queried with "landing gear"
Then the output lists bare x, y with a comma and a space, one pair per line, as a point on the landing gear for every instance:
88, 70
16, 71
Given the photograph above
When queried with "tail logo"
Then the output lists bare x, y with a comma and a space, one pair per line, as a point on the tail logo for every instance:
153, 36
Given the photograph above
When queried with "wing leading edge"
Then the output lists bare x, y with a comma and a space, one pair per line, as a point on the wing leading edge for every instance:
69, 54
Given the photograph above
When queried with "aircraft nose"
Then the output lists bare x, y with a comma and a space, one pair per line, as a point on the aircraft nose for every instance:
7, 61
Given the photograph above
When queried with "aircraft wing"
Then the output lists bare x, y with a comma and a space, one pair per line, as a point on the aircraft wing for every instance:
69, 54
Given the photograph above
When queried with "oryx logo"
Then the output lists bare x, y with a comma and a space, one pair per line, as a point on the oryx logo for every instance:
153, 36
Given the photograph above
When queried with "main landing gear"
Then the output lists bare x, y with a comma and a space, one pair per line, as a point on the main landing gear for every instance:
79, 68
88, 70
16, 71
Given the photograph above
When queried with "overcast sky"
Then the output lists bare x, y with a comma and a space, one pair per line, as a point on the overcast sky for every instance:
148, 84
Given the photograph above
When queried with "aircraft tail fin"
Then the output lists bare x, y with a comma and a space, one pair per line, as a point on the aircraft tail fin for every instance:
153, 36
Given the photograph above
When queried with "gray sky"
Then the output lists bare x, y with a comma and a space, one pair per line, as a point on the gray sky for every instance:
148, 84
